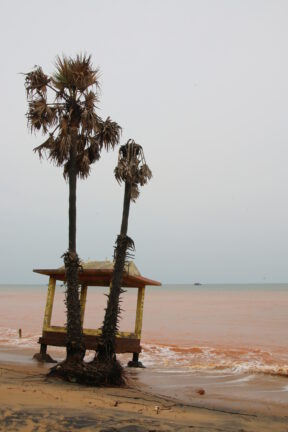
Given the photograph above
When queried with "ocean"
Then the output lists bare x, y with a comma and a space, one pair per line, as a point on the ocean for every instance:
208, 335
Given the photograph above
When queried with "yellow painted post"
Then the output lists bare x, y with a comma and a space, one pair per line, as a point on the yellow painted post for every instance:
83, 297
139, 311
49, 303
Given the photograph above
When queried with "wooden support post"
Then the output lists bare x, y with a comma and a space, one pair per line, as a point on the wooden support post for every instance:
43, 349
135, 363
83, 297
49, 303
135, 358
139, 312
42, 356
138, 326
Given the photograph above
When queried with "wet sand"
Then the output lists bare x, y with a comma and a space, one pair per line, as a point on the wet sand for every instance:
31, 402
245, 393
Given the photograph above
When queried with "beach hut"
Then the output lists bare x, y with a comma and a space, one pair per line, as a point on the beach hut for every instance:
94, 274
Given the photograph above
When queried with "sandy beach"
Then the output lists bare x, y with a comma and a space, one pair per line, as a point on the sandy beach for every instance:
32, 402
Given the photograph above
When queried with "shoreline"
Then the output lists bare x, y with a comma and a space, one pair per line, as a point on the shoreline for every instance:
31, 402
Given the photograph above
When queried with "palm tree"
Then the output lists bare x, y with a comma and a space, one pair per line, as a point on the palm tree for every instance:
63, 106
133, 171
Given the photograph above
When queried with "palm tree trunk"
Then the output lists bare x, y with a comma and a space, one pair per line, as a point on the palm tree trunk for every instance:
126, 209
74, 345
106, 349
72, 196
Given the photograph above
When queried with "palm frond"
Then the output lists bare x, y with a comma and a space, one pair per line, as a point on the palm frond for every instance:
83, 165
75, 74
90, 121
40, 115
59, 152
90, 100
108, 133
46, 146
36, 81
144, 174
94, 150
135, 192
132, 167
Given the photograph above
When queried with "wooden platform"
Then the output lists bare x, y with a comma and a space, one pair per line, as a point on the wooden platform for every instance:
123, 345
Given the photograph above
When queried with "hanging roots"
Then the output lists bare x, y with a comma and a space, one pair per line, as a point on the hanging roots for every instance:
95, 374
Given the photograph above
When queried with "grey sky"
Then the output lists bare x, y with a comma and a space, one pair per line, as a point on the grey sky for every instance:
203, 86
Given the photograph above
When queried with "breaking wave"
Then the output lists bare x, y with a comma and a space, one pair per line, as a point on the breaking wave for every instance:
10, 338
215, 359
182, 359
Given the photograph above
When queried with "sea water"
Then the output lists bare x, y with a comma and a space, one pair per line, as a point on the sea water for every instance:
213, 333
236, 327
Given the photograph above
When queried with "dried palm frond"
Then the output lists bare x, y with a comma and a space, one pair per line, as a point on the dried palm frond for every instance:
124, 245
46, 146
132, 167
90, 121
108, 133
75, 74
41, 115
83, 164
144, 174
64, 124
94, 149
60, 151
90, 100
36, 81
134, 192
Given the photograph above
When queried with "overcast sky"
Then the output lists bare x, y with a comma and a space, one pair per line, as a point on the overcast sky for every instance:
203, 87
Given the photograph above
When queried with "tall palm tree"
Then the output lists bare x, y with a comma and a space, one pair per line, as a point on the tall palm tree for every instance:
63, 106
133, 171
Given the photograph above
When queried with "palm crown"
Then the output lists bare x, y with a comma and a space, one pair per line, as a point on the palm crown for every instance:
132, 167
65, 102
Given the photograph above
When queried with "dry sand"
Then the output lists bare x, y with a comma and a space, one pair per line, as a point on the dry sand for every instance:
31, 402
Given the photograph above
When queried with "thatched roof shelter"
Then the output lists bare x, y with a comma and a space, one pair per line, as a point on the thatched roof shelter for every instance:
99, 273
94, 273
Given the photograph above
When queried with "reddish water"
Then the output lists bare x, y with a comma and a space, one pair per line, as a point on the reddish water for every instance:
237, 329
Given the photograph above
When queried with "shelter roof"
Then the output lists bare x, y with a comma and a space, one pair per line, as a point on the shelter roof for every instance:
99, 273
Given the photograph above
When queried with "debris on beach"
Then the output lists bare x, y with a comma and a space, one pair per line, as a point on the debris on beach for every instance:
157, 409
